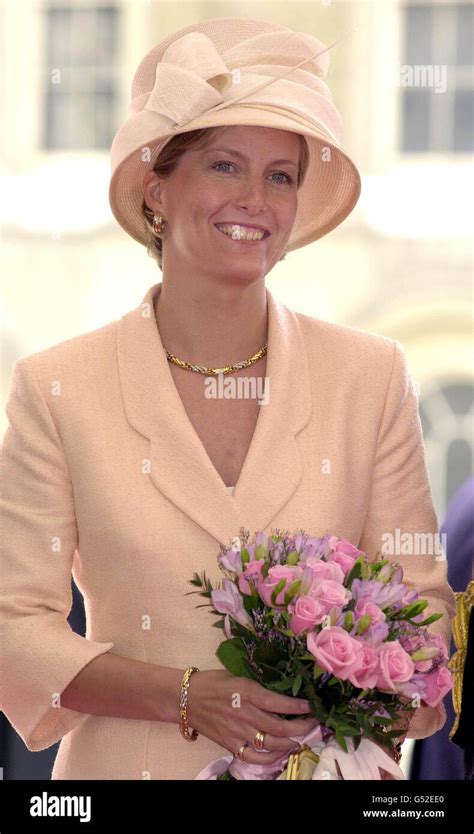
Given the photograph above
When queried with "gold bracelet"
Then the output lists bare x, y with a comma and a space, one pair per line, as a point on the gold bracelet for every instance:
183, 705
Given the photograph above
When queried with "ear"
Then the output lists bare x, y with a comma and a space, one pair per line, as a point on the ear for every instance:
152, 191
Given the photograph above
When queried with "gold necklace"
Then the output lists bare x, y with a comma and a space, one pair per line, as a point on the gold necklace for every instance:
200, 369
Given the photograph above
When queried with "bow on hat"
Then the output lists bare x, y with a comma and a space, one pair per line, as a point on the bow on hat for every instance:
192, 77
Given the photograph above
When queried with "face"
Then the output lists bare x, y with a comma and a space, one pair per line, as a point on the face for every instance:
246, 178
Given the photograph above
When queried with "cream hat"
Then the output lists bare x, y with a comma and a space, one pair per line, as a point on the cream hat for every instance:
236, 71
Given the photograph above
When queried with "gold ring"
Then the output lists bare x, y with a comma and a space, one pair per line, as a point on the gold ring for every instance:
259, 740
239, 754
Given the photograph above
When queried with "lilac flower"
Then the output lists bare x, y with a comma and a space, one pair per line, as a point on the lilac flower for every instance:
316, 548
232, 560
415, 686
369, 588
375, 634
229, 601
277, 550
262, 538
397, 576
410, 596
382, 595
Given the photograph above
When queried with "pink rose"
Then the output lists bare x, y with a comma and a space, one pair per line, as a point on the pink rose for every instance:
365, 605
345, 553
365, 673
287, 572
306, 613
335, 651
253, 569
438, 684
330, 593
325, 570
395, 666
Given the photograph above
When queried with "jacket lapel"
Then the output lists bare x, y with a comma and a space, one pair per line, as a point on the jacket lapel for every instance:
180, 466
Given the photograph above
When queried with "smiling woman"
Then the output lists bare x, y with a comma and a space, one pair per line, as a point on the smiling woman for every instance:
168, 160
121, 480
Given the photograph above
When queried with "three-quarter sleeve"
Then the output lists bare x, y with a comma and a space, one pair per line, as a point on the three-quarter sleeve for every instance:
40, 654
401, 512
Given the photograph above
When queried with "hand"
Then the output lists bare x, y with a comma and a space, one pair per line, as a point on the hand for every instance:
211, 711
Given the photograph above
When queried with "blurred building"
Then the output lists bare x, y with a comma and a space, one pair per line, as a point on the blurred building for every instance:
400, 265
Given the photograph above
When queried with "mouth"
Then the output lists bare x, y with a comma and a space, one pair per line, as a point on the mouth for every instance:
242, 234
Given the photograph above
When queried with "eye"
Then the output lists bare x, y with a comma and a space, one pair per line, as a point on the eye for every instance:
282, 174
222, 162
289, 179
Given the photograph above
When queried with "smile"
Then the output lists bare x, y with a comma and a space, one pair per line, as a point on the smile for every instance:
242, 233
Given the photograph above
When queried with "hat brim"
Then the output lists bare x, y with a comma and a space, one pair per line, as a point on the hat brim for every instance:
328, 194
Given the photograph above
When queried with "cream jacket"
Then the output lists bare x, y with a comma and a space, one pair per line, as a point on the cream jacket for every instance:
105, 478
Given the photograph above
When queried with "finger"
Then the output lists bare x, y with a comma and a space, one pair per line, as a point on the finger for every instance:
279, 727
274, 702
271, 743
255, 721
253, 756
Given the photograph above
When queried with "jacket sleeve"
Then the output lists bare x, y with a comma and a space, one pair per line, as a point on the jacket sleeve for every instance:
40, 654
402, 500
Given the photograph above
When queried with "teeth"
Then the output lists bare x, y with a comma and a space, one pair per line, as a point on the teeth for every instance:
241, 233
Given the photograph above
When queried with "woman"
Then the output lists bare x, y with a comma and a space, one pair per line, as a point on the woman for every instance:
120, 461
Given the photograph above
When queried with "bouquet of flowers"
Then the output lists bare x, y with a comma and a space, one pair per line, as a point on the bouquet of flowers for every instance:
315, 618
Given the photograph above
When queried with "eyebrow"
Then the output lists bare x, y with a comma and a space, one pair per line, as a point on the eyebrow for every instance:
241, 156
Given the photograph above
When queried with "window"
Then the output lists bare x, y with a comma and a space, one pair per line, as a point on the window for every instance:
446, 414
81, 89
436, 82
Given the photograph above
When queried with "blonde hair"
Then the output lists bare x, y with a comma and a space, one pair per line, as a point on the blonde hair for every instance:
167, 161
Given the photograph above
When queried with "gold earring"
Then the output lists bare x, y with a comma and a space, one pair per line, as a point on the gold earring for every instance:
158, 224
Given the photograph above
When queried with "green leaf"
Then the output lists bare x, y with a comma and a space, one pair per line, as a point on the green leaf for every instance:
296, 685
363, 694
232, 655
430, 620
245, 555
348, 620
350, 731
363, 624
355, 572
277, 590
261, 552
411, 610
317, 671
283, 685
293, 589
341, 741
292, 558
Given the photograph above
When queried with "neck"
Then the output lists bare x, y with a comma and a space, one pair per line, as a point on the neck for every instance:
209, 324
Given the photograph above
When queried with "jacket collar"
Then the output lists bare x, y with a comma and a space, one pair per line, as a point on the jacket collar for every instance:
180, 466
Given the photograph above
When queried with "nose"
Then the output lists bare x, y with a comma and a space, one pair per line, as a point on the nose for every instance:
253, 195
